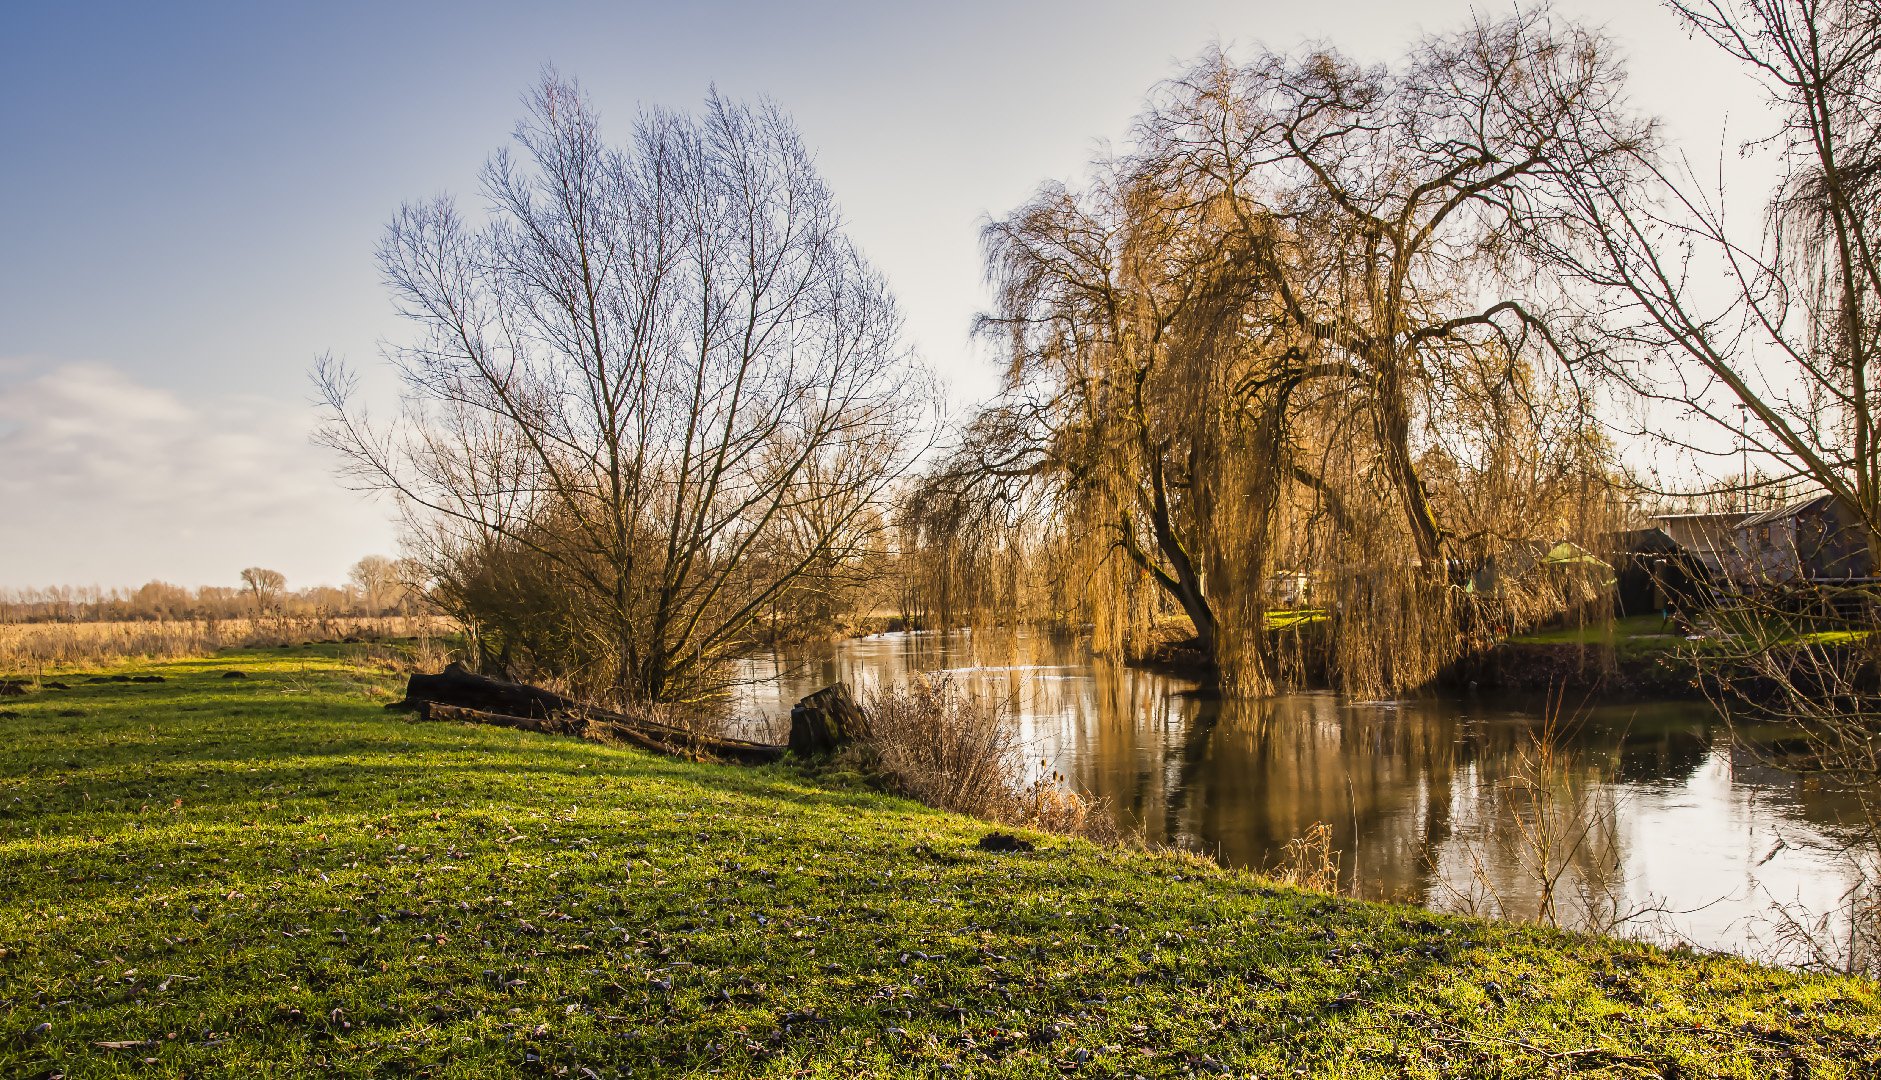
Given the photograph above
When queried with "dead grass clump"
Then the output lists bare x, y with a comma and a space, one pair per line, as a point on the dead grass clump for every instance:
1542, 843
940, 746
1051, 804
1845, 940
1309, 861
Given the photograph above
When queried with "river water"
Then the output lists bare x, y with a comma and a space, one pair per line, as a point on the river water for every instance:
1646, 812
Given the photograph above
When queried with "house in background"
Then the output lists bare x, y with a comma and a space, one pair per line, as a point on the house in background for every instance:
1817, 540
1655, 575
1711, 539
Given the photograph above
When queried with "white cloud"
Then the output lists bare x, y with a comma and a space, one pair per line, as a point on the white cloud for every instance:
106, 480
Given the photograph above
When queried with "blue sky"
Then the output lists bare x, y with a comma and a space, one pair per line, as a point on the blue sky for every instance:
190, 195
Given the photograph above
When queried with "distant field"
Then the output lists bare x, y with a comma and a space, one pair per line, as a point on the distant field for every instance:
28, 648
271, 876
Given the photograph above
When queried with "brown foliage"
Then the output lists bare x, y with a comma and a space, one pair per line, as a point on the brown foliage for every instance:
940, 746
1292, 337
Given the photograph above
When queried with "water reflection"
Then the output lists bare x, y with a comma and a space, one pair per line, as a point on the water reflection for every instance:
1436, 801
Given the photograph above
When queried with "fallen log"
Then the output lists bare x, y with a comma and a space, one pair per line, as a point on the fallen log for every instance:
564, 725
456, 694
457, 685
432, 710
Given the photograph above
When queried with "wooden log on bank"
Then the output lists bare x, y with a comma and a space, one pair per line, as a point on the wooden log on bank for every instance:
604, 731
456, 694
457, 685
432, 710
604, 726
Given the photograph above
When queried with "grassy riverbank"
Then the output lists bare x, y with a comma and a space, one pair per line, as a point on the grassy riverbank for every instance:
272, 876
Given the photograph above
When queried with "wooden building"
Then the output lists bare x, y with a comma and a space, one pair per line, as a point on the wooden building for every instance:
1655, 576
1814, 541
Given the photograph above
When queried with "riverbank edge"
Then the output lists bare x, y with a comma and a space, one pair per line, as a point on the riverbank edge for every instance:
1593, 672
1070, 957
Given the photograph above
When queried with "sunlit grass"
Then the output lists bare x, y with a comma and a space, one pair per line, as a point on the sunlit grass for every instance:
1604, 632
1829, 637
271, 876
1293, 617
1649, 633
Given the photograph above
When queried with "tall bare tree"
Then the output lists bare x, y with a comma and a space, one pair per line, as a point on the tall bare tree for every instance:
1766, 332
376, 578
1760, 335
657, 374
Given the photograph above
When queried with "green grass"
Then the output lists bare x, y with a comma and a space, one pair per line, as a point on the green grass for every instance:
1604, 633
1294, 617
1829, 637
273, 877
1635, 637
1647, 635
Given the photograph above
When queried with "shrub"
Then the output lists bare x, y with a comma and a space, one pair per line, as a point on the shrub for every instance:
934, 743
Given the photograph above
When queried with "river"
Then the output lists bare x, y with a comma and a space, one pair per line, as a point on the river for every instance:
1648, 817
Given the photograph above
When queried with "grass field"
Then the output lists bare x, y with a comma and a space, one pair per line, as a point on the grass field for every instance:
1635, 634
1641, 636
271, 876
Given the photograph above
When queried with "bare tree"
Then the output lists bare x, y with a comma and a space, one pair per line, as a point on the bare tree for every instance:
376, 578
1766, 333
1780, 358
264, 588
639, 376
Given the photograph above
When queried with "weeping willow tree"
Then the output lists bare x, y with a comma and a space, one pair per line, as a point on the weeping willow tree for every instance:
1124, 308
975, 533
1290, 345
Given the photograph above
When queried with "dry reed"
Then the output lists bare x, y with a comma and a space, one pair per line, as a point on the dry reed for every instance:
1309, 861
1546, 849
951, 750
31, 648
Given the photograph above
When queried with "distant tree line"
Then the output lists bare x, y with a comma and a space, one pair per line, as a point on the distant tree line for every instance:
377, 587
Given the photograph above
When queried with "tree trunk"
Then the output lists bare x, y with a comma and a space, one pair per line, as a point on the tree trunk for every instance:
1394, 438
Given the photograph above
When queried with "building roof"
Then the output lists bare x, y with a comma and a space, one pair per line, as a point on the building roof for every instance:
1779, 513
1728, 517
1640, 541
1703, 533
